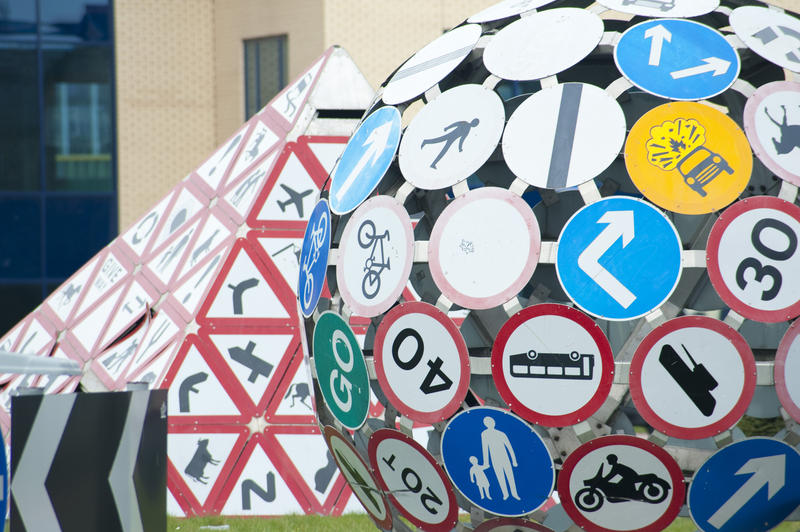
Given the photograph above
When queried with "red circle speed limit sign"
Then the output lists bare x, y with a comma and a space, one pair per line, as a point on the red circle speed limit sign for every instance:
414, 481
421, 362
753, 258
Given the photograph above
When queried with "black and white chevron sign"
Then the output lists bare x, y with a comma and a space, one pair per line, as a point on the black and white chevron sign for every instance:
89, 462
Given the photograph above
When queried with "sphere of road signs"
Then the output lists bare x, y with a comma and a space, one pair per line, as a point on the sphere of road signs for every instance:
555, 155
688, 158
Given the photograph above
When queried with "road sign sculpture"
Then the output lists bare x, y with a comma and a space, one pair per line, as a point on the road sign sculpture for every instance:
571, 176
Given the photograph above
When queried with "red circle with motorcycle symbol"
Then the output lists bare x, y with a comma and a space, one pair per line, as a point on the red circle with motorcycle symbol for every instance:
620, 482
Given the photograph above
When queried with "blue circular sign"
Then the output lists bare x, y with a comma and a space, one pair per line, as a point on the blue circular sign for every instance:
677, 58
365, 159
314, 257
619, 258
752, 484
497, 461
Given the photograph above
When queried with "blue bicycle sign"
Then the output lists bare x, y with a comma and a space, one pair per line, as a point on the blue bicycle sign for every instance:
314, 257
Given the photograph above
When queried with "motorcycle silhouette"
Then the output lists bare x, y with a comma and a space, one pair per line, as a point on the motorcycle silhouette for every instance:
645, 488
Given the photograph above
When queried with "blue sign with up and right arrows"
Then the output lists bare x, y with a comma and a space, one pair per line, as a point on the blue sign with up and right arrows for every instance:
618, 258
677, 58
365, 159
752, 484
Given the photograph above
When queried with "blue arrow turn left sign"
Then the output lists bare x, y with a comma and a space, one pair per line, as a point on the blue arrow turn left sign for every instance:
677, 58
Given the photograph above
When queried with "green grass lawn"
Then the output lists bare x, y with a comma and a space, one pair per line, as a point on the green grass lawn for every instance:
345, 523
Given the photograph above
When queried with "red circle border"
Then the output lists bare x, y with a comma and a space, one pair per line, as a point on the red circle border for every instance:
463, 356
712, 257
372, 449
439, 278
589, 325
780, 371
722, 424
675, 473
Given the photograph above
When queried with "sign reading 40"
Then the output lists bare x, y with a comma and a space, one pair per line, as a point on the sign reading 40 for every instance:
753, 257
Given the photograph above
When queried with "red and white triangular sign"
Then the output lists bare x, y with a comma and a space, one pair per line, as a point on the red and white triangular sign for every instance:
85, 333
261, 139
135, 302
153, 373
239, 196
200, 461
161, 267
291, 100
326, 150
113, 270
63, 301
196, 392
216, 234
282, 249
113, 363
245, 293
164, 327
256, 486
293, 402
306, 449
291, 192
212, 172
186, 205
138, 237
190, 290
257, 360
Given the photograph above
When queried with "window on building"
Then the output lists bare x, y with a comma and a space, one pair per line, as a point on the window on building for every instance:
265, 71
58, 200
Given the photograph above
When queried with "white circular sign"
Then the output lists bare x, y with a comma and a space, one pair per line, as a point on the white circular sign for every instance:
432, 63
484, 247
546, 351
376, 254
416, 485
621, 483
773, 35
359, 477
505, 9
787, 371
451, 137
662, 8
543, 44
772, 124
564, 135
692, 377
421, 362
753, 258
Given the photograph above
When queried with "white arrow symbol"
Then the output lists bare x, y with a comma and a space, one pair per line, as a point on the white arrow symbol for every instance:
658, 34
766, 470
373, 147
620, 225
710, 64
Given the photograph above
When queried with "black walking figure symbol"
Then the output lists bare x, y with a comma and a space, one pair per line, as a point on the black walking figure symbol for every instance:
455, 131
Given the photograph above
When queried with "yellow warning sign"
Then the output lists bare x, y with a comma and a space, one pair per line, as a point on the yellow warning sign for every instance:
688, 157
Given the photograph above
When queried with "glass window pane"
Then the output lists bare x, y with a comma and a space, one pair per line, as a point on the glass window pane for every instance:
76, 20
78, 110
19, 116
18, 18
265, 71
18, 301
20, 238
77, 228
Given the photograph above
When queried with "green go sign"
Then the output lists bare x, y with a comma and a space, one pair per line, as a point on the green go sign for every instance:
341, 370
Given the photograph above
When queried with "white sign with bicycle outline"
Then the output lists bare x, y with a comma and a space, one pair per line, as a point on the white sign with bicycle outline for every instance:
377, 251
